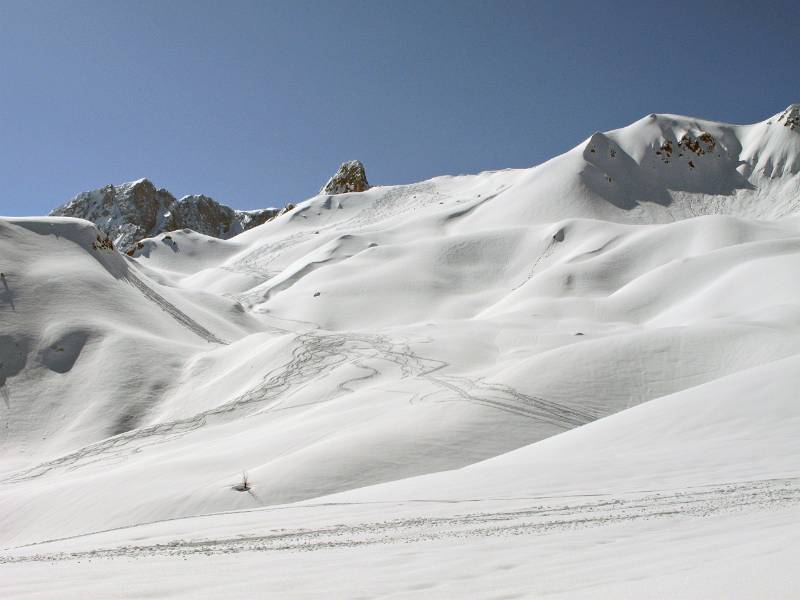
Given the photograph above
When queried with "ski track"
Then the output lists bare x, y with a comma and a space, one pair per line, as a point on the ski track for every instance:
316, 354
546, 254
503, 397
520, 517
253, 262
172, 310
395, 202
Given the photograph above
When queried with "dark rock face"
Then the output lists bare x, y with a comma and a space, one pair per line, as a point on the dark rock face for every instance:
133, 211
351, 177
791, 117
205, 215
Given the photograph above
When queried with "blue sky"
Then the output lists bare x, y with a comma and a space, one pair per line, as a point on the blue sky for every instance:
257, 103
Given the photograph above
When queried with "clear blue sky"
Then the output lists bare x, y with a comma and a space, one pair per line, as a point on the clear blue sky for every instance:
257, 103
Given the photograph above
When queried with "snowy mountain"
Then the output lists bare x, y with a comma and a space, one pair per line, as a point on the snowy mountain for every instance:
129, 212
576, 380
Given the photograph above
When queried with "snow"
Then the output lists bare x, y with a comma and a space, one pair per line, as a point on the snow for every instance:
576, 380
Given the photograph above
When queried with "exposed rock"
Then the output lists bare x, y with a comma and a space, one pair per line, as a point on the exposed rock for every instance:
129, 212
351, 177
700, 145
791, 117
704, 143
102, 243
665, 151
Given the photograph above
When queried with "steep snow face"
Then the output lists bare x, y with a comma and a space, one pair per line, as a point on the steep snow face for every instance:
659, 169
129, 212
606, 341
771, 149
81, 323
715, 158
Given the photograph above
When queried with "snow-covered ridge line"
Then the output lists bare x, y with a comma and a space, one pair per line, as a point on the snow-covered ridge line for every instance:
130, 212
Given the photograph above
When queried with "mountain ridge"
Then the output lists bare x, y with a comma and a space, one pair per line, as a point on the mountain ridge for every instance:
132, 211
648, 161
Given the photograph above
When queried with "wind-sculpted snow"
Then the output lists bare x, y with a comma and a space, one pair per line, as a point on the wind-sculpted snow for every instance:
589, 362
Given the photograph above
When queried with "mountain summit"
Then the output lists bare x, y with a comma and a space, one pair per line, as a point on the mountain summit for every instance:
790, 117
351, 177
132, 211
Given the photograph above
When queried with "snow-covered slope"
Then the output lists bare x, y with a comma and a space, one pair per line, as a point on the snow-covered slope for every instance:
596, 352
693, 495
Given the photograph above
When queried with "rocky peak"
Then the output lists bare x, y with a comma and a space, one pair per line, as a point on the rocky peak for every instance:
130, 212
205, 215
351, 177
790, 117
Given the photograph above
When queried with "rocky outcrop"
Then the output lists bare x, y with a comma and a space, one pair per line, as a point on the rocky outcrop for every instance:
703, 143
351, 177
791, 117
129, 212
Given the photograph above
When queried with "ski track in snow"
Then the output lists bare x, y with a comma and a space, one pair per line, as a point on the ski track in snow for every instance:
317, 353
397, 200
547, 253
254, 261
521, 517
504, 397
172, 310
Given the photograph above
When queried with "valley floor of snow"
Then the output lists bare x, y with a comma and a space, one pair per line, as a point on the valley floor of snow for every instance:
578, 380
662, 545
